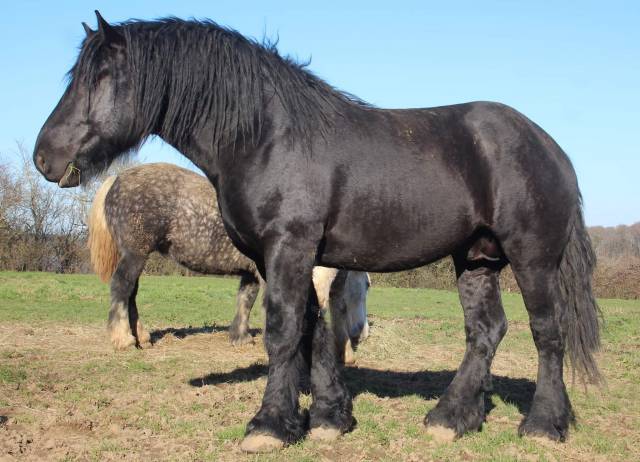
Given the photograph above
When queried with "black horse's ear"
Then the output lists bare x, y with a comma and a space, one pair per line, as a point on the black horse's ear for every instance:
90, 32
110, 35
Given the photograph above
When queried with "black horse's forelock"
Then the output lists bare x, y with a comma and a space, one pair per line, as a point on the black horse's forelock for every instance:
189, 73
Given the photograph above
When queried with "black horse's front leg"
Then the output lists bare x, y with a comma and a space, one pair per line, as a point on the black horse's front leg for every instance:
279, 421
288, 339
330, 413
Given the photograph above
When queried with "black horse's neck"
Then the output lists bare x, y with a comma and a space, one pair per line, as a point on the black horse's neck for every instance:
194, 77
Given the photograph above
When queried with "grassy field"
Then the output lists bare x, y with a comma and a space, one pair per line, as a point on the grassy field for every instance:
65, 395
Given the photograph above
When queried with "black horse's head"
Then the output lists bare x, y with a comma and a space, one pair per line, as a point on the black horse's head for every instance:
94, 121
176, 79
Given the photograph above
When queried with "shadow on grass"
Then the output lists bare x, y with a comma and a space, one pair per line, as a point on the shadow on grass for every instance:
393, 384
242, 374
182, 332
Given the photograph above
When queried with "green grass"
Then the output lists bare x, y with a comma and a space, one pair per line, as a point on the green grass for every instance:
60, 381
47, 297
34, 297
12, 374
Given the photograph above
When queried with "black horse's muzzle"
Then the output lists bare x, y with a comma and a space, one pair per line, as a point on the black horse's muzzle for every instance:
52, 171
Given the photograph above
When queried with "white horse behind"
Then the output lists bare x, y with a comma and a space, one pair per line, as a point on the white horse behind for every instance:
344, 294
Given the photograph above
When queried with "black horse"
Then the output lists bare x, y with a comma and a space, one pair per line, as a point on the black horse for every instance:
307, 175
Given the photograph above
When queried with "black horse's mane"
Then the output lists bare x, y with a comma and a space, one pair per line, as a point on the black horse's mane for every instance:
214, 74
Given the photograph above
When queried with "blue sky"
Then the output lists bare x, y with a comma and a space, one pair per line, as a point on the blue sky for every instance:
573, 67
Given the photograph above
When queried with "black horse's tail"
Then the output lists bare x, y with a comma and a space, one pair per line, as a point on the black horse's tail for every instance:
582, 315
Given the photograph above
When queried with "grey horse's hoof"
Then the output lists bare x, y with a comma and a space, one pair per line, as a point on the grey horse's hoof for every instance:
239, 340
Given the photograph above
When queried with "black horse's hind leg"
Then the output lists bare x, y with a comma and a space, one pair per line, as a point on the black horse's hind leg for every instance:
462, 407
550, 413
143, 338
287, 336
247, 294
123, 289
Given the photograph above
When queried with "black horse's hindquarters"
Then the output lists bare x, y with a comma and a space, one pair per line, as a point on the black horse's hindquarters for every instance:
306, 175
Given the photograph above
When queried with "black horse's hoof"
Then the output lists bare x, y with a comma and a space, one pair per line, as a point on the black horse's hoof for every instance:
449, 420
267, 432
440, 433
548, 418
258, 443
538, 427
327, 422
324, 434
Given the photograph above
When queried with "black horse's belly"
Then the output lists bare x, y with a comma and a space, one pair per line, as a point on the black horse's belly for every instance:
380, 248
406, 229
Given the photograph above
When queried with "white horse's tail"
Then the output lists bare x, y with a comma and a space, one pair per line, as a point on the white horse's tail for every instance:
344, 294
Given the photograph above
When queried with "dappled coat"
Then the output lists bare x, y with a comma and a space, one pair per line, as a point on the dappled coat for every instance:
172, 210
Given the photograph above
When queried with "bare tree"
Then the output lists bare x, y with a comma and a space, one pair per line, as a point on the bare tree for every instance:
10, 197
42, 227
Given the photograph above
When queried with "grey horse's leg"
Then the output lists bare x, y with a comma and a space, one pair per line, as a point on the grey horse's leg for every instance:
348, 306
355, 300
339, 318
247, 294
344, 349
143, 338
123, 289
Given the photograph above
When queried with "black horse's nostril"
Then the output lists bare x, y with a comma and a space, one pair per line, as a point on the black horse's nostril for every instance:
41, 164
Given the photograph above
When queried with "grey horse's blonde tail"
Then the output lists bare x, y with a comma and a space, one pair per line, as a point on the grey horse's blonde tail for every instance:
102, 246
